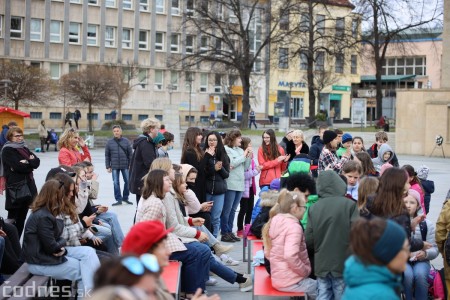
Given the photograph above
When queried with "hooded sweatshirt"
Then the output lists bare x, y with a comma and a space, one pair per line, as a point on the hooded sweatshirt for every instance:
329, 223
379, 161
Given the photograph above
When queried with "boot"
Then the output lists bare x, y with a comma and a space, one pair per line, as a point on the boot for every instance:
221, 249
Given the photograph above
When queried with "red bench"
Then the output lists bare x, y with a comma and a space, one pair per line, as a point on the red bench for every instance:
171, 276
247, 243
262, 286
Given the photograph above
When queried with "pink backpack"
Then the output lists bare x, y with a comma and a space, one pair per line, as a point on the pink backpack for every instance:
436, 284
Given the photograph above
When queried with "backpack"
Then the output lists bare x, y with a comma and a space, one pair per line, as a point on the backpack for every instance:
436, 284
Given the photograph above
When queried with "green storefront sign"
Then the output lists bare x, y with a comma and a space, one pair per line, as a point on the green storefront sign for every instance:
344, 88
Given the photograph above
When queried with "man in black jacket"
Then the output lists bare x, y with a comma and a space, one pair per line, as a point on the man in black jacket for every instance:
316, 149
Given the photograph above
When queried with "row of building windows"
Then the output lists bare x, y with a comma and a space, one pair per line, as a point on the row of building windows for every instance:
94, 116
405, 66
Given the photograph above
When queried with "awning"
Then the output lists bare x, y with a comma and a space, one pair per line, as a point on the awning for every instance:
387, 78
13, 111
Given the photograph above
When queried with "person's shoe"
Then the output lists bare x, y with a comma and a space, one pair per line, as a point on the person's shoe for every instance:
227, 238
127, 202
246, 286
220, 249
234, 237
240, 233
211, 281
117, 203
228, 260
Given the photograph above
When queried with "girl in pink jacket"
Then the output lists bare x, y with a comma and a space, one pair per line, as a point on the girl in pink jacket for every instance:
285, 248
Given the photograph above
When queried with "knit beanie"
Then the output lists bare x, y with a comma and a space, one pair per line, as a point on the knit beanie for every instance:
415, 194
390, 243
328, 136
347, 137
159, 138
422, 173
275, 184
384, 167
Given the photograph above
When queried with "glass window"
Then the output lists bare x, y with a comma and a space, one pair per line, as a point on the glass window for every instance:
92, 35
217, 83
320, 24
73, 68
142, 117
142, 77
127, 117
174, 79
127, 4
190, 46
74, 33
16, 27
93, 116
175, 43
36, 30
283, 58
55, 31
159, 42
55, 116
110, 3
143, 36
284, 19
159, 117
203, 83
320, 61
93, 2
160, 6
55, 71
220, 11
354, 64
304, 22
35, 64
303, 60
143, 5
35, 115
175, 7
190, 7
126, 38
110, 36
75, 1
339, 65
340, 25
1, 25
355, 25
159, 80
204, 43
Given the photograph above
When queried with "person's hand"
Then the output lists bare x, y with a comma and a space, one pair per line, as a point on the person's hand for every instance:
206, 206
102, 209
281, 157
24, 161
199, 296
203, 237
61, 253
416, 221
259, 167
2, 233
426, 246
32, 156
94, 176
97, 241
286, 159
88, 220
81, 142
298, 149
421, 255
218, 166
198, 221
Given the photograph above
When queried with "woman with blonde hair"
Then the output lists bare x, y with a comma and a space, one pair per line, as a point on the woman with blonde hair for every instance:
298, 138
70, 143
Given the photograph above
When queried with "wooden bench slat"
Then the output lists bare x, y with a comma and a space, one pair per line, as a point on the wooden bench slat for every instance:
36, 281
262, 285
171, 276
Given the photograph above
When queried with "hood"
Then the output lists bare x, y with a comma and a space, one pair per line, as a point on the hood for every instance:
329, 184
141, 138
357, 274
269, 198
316, 139
300, 164
383, 149
185, 168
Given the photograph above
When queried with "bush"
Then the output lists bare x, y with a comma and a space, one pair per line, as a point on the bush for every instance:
109, 125
321, 117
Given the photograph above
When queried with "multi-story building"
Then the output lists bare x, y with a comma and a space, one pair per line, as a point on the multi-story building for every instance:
62, 36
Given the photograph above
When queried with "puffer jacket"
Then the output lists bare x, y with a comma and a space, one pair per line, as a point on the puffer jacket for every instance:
118, 157
250, 182
271, 169
268, 200
238, 164
442, 230
288, 256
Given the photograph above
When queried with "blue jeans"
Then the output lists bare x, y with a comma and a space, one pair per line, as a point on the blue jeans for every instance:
211, 238
216, 211
81, 264
195, 268
330, 287
222, 271
111, 219
415, 280
232, 199
116, 181
105, 234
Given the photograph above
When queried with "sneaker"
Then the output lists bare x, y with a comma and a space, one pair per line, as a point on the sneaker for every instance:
127, 202
117, 203
220, 249
227, 238
246, 286
211, 281
240, 233
228, 260
234, 237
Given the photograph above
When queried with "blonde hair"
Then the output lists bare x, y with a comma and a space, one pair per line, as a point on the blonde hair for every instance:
149, 123
283, 206
298, 132
65, 137
162, 163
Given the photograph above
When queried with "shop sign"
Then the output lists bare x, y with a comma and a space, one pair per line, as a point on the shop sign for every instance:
291, 84
344, 88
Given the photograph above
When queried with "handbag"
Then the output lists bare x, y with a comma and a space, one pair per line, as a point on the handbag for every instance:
19, 192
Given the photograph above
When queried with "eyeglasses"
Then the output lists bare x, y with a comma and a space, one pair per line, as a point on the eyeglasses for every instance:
137, 265
212, 140
18, 135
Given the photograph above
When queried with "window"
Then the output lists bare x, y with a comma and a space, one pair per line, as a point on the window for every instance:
174, 79
175, 7
143, 37
127, 117
320, 61
92, 35
55, 71
283, 58
55, 31
55, 116
304, 22
110, 36
126, 38
218, 47
1, 25
75, 1
190, 7
175, 43
220, 11
204, 8
159, 42
74, 33
36, 30
232, 17
340, 25
355, 25
190, 44
159, 80
303, 60
189, 80
339, 65
204, 43
110, 3
160, 6
186, 118
404, 66
284, 19
35, 115
320, 24
159, 117
73, 68
108, 117
16, 27
203, 83
217, 83
93, 2
127, 4
143, 5
142, 117
35, 64
93, 116
142, 77
354, 64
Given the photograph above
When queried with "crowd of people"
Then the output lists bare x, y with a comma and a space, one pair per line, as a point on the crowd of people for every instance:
338, 221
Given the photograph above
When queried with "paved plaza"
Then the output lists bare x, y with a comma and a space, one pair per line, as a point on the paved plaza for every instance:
439, 171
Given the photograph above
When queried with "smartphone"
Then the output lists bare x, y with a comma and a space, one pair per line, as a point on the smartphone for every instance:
2, 223
94, 229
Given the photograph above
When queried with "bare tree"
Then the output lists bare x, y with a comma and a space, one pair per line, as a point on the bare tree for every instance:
91, 86
231, 34
29, 85
385, 21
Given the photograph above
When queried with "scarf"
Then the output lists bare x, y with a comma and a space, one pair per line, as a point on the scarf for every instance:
21, 148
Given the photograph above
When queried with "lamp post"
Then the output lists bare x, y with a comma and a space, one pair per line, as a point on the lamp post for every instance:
6, 83
170, 89
189, 80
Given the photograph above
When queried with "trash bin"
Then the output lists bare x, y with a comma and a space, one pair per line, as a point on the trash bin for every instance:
89, 140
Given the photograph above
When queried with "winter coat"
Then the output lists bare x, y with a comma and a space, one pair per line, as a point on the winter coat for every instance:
42, 131
143, 156
288, 256
70, 157
257, 208
271, 169
190, 157
329, 223
291, 149
315, 150
268, 200
16, 171
379, 161
369, 282
250, 182
428, 188
42, 238
442, 230
3, 139
116, 157
433, 252
238, 164
328, 159
216, 183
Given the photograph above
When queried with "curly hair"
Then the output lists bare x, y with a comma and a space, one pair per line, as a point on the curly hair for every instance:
64, 140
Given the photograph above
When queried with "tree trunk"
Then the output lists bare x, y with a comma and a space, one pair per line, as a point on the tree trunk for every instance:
16, 104
310, 70
90, 118
245, 100
119, 108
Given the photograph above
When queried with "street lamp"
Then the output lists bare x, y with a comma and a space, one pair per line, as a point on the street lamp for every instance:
189, 81
170, 89
6, 83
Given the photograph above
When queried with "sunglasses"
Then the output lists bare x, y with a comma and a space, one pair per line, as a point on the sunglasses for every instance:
137, 265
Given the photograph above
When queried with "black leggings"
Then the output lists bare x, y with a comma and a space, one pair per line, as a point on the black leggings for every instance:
19, 215
246, 210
